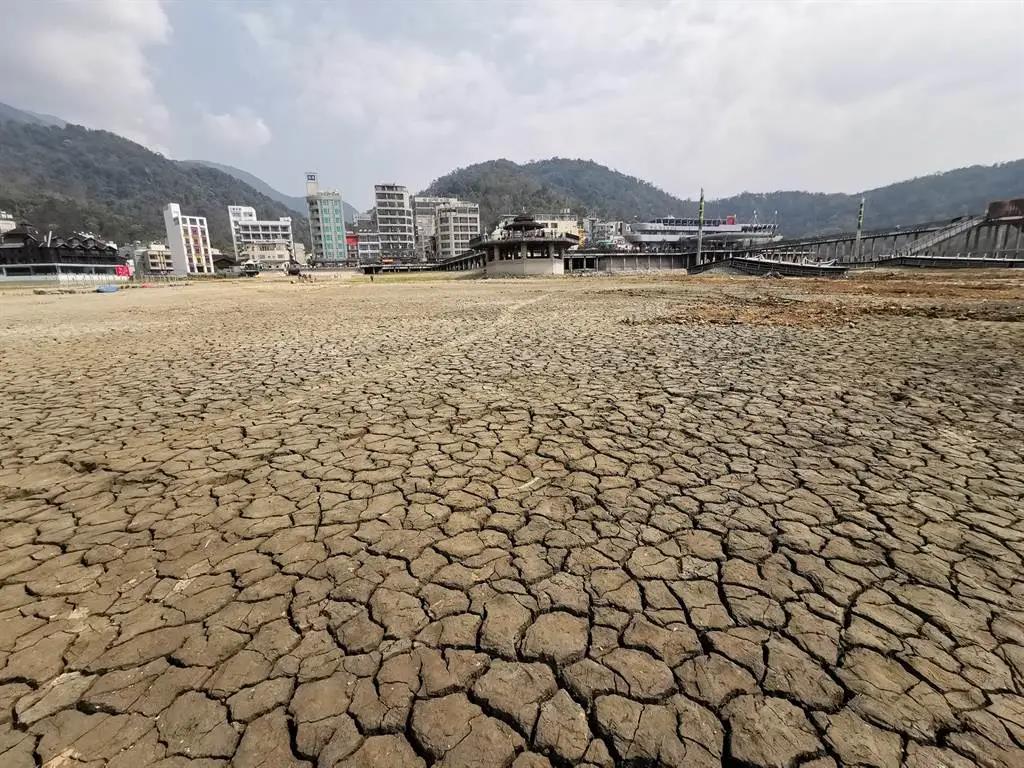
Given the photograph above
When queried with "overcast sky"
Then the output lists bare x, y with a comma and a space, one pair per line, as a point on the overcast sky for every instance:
733, 96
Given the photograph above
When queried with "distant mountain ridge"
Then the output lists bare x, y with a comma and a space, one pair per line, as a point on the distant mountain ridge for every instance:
588, 188
67, 178
296, 204
7, 112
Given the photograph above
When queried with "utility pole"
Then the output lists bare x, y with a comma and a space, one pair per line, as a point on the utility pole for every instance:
700, 225
860, 228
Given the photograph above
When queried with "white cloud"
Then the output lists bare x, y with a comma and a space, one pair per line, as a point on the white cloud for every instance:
241, 130
731, 96
87, 62
735, 96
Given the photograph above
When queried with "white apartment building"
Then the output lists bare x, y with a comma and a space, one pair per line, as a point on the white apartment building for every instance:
423, 209
7, 222
153, 259
456, 224
394, 221
368, 243
267, 242
326, 223
188, 237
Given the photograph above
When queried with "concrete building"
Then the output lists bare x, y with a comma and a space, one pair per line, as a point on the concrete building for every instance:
7, 222
223, 262
554, 224
367, 239
524, 246
424, 215
326, 223
395, 222
188, 237
26, 254
152, 259
299, 253
267, 242
456, 224
609, 235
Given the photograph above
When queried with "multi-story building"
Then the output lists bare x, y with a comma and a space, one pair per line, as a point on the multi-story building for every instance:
299, 253
423, 209
606, 234
267, 242
326, 223
7, 222
25, 254
395, 222
367, 239
152, 258
456, 224
553, 224
189, 240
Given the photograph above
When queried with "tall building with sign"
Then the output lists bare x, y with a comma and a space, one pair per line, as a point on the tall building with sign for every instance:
326, 223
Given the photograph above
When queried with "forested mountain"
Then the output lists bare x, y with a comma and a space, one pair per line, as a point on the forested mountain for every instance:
297, 204
72, 178
501, 186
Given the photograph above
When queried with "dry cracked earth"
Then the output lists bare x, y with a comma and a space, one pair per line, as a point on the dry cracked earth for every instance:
549, 523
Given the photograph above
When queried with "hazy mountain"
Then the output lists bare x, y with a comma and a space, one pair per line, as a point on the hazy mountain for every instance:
588, 188
72, 178
297, 204
7, 112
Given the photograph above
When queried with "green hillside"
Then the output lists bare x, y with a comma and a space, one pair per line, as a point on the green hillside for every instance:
501, 186
73, 178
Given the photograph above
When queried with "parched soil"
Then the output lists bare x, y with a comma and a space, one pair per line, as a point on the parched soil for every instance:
953, 295
604, 521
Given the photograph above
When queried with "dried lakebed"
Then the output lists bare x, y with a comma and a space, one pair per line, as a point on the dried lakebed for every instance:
562, 522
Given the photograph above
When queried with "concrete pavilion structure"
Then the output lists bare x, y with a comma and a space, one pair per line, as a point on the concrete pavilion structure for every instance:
523, 247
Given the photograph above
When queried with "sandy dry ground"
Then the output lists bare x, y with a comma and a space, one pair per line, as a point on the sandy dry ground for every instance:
606, 521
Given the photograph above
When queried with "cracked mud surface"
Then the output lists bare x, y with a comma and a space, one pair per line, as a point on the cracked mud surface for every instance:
524, 524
